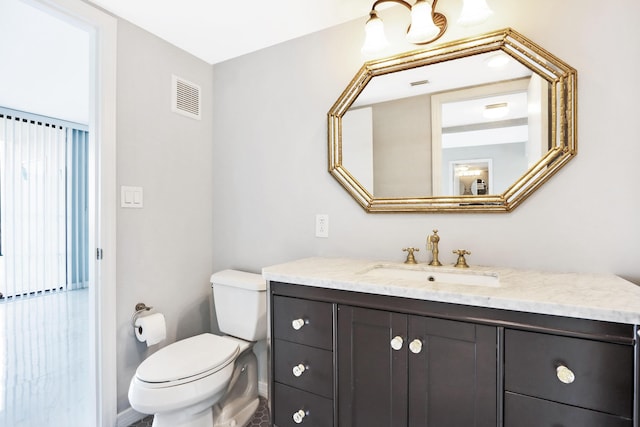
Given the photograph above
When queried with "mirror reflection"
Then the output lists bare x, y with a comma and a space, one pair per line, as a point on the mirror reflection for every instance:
441, 130
476, 124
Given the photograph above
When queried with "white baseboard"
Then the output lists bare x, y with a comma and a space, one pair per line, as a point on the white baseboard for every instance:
128, 417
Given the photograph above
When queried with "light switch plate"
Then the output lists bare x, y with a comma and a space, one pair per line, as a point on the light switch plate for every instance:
131, 197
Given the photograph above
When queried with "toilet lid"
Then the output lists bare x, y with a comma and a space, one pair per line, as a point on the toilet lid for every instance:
187, 358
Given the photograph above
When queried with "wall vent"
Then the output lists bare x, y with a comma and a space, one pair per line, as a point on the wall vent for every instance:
185, 98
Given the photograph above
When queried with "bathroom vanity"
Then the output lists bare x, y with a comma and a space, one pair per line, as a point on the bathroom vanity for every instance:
358, 343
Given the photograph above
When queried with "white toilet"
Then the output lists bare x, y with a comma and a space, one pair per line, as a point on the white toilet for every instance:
209, 380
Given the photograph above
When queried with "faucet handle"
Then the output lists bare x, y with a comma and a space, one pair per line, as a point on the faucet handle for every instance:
410, 258
462, 262
433, 239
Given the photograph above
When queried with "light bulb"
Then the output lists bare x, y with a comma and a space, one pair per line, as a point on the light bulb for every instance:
375, 40
422, 27
474, 12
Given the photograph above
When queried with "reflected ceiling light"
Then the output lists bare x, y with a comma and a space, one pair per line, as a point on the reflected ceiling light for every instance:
495, 111
426, 26
473, 172
498, 60
465, 170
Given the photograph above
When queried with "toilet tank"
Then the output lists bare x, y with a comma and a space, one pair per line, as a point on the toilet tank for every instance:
240, 301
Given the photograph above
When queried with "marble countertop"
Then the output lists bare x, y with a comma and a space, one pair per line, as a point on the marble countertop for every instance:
587, 296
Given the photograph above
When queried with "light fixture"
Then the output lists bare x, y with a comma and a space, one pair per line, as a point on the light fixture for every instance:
422, 28
474, 12
495, 111
375, 39
426, 26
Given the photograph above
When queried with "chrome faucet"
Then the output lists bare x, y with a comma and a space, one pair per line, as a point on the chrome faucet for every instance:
432, 245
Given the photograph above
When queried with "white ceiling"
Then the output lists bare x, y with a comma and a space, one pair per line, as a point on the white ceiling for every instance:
441, 77
216, 30
46, 59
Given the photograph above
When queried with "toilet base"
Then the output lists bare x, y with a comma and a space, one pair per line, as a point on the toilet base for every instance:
200, 416
232, 407
242, 417
241, 400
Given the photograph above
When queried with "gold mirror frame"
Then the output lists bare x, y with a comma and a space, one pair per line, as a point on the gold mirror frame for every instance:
562, 80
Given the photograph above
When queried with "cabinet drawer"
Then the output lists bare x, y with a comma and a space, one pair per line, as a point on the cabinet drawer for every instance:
317, 374
315, 319
525, 411
602, 371
318, 411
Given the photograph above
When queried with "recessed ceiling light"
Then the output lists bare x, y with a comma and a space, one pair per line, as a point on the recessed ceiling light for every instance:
495, 111
498, 60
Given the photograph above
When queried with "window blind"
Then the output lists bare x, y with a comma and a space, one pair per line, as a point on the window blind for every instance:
43, 212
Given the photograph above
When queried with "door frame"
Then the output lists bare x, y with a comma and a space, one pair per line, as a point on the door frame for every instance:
102, 29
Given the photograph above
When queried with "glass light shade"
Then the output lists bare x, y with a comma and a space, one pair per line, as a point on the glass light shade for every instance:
422, 27
375, 40
474, 12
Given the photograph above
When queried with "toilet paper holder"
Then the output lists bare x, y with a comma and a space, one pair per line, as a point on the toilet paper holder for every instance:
139, 309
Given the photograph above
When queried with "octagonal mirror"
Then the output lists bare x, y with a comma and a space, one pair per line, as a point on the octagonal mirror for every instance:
472, 125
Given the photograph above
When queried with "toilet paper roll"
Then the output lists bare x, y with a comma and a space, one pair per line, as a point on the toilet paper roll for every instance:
151, 328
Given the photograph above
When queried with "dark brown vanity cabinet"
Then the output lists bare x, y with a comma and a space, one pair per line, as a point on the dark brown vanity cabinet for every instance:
404, 370
348, 359
553, 381
302, 362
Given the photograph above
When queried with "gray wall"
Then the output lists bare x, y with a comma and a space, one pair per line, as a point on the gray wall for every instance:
241, 188
164, 250
402, 148
270, 155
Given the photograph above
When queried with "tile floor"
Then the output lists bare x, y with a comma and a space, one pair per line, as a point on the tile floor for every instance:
260, 418
44, 361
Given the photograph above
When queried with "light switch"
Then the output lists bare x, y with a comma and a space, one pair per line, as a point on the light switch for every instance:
131, 197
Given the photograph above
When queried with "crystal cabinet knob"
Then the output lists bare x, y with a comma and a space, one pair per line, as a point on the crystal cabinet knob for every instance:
297, 324
299, 370
396, 343
415, 346
565, 375
298, 416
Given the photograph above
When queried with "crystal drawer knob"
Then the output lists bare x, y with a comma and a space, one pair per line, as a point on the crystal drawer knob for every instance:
396, 343
299, 369
565, 375
298, 416
415, 346
297, 324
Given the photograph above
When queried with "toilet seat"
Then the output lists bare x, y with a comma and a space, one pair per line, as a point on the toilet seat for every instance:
187, 360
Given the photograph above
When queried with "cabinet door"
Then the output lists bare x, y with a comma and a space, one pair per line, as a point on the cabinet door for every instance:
372, 377
443, 375
452, 373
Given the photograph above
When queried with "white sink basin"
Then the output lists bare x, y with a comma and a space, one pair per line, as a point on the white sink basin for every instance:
431, 274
